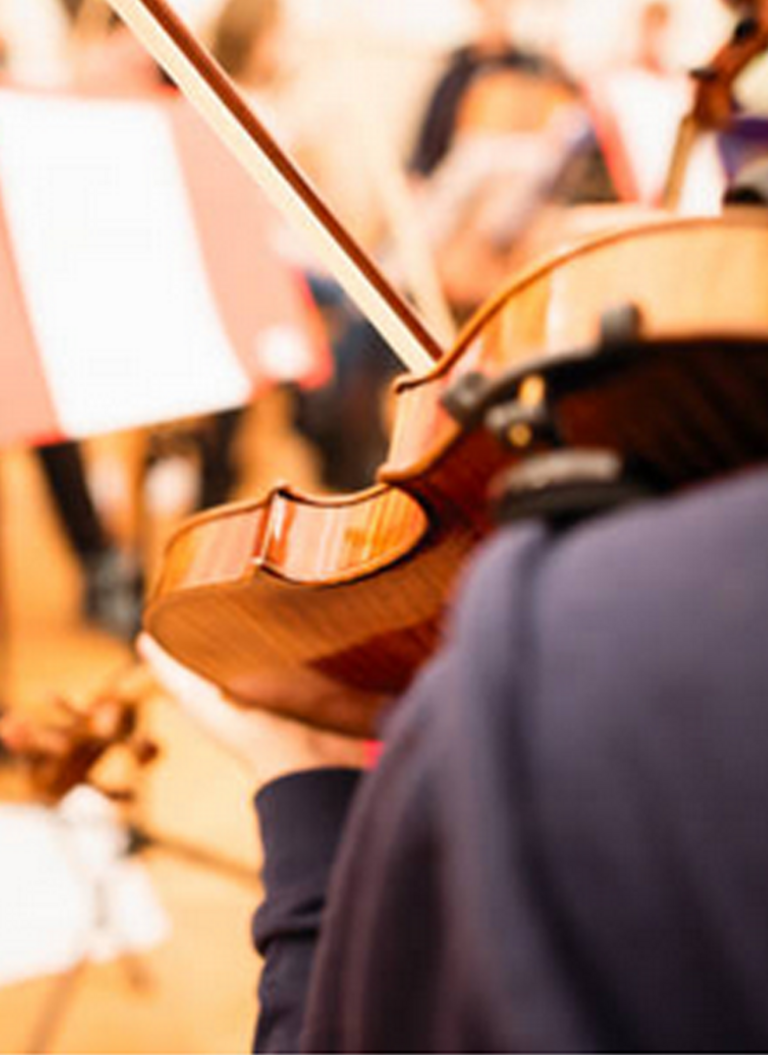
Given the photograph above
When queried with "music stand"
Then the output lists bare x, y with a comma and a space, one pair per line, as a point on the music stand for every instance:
106, 934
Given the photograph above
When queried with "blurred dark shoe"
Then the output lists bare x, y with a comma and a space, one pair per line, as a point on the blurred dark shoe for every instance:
6, 755
114, 590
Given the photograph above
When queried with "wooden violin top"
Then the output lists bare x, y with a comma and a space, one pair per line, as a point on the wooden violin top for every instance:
353, 588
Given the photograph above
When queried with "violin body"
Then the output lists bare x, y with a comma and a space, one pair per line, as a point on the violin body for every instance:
353, 589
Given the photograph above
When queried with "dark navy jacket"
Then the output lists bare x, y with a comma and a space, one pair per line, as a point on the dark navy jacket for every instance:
565, 844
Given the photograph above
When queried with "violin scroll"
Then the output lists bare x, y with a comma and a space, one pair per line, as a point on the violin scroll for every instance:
714, 106
61, 754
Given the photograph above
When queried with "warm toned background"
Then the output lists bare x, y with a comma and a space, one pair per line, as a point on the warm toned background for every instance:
200, 984
199, 991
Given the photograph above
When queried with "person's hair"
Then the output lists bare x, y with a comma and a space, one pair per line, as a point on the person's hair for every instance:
656, 13
238, 27
72, 10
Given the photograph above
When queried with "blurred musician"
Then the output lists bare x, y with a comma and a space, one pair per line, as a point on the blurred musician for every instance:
504, 133
491, 51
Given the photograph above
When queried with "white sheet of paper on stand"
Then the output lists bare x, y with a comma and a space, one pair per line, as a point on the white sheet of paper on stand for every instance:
67, 891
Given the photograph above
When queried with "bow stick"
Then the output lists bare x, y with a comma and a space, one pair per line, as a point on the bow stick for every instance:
224, 108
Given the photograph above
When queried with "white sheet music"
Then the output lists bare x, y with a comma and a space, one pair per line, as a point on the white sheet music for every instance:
110, 264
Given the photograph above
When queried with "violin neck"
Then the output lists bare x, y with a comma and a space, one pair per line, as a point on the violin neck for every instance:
224, 108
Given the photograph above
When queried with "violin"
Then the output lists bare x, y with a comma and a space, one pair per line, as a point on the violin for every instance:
354, 587
67, 751
647, 344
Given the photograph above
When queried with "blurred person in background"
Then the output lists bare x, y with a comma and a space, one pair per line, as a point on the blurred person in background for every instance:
248, 39
342, 419
491, 50
113, 581
105, 57
475, 191
640, 102
112, 578
245, 39
654, 24
505, 133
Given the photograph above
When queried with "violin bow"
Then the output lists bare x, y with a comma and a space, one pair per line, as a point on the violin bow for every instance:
218, 101
395, 195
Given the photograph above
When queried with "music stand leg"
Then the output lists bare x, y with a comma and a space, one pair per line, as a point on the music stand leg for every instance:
143, 840
5, 628
55, 1007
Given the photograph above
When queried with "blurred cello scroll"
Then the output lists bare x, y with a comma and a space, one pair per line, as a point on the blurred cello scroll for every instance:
652, 118
352, 589
714, 107
68, 750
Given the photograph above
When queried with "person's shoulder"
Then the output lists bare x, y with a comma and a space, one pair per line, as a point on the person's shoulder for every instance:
696, 534
693, 536
535, 63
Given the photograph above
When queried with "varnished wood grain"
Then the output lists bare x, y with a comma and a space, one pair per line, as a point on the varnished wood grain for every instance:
328, 586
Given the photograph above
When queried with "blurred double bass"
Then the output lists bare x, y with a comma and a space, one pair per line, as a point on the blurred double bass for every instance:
633, 363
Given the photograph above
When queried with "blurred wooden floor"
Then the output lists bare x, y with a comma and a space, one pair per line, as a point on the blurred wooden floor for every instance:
202, 981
